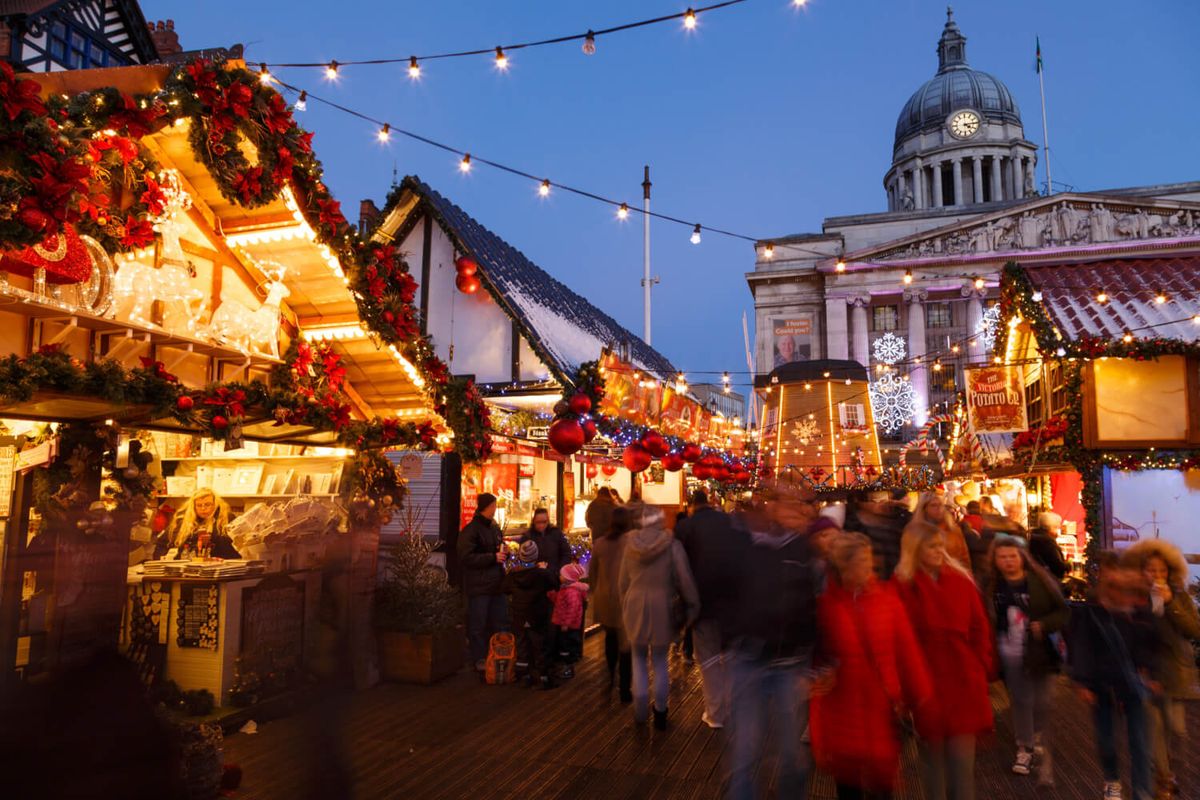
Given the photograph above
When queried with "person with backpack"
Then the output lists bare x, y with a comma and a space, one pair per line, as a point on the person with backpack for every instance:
529, 583
654, 570
481, 557
772, 633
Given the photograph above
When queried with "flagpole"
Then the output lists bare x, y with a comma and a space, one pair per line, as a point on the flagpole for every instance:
1045, 129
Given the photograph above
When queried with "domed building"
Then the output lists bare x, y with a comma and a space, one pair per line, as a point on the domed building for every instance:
959, 138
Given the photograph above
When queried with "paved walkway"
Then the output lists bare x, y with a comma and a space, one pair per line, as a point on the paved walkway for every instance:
460, 739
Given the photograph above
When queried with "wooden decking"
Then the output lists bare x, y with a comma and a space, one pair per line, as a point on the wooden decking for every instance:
460, 739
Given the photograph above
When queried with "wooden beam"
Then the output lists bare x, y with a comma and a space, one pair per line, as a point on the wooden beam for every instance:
357, 401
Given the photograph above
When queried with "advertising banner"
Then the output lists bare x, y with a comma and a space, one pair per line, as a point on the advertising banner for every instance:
791, 339
996, 399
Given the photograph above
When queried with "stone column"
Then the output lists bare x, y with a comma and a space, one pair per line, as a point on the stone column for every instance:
977, 177
997, 194
919, 183
918, 372
836, 332
900, 183
974, 317
1031, 171
1017, 174
957, 170
937, 184
859, 334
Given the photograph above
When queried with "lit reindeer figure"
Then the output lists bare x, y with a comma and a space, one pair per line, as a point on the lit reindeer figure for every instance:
235, 324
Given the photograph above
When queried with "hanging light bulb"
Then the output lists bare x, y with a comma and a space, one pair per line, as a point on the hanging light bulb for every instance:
1196, 319
954, 348
623, 211
1127, 338
264, 75
414, 69
589, 44
385, 132
769, 250
1060, 352
979, 283
302, 101
331, 71
544, 188
1101, 297
1037, 297
696, 235
799, 3
465, 164
501, 59
908, 277
840, 266
689, 19
937, 365
680, 384
1160, 297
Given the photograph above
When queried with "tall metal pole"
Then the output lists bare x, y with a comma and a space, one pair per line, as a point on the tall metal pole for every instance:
1045, 130
646, 283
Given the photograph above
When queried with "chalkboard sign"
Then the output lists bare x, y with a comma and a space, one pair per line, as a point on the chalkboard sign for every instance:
198, 617
272, 626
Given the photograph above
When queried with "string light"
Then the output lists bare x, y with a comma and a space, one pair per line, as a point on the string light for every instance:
954, 348
979, 283
501, 59
331, 71
1127, 338
589, 44
414, 69
1160, 297
769, 250
465, 164
302, 101
544, 188
623, 211
385, 132
264, 75
840, 266
799, 3
908, 277
1101, 297
1037, 297
689, 19
680, 384
937, 365
696, 235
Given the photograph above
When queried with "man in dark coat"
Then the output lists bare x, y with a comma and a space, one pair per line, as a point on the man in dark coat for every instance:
552, 544
599, 513
481, 554
1043, 545
715, 550
883, 522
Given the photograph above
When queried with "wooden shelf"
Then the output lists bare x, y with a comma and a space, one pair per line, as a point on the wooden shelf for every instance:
250, 496
244, 459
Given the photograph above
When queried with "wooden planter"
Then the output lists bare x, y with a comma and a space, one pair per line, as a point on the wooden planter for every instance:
420, 657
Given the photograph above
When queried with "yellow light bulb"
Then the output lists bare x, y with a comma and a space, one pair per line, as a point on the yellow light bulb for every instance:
501, 59
623, 211
465, 164
689, 19
385, 132
331, 71
414, 69
544, 189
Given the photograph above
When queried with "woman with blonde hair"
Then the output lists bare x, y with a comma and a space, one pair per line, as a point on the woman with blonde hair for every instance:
931, 510
952, 631
201, 527
1165, 571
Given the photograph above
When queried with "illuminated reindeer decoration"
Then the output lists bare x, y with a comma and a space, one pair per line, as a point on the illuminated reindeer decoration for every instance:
236, 325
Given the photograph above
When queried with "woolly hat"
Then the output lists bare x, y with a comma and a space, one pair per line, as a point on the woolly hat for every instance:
571, 573
484, 502
528, 552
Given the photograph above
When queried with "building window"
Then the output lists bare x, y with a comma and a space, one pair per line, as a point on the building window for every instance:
852, 416
1035, 400
885, 318
1056, 379
943, 380
937, 315
58, 42
76, 51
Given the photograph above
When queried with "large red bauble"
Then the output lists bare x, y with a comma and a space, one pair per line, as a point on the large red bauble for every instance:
580, 403
589, 430
591, 471
673, 462
466, 265
219, 423
609, 469
701, 472
185, 403
721, 473
656, 444
636, 458
742, 476
467, 284
691, 453
566, 436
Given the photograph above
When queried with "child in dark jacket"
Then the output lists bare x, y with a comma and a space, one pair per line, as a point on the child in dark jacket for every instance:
528, 584
1112, 645
567, 620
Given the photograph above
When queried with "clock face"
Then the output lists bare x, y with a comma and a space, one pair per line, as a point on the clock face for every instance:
963, 124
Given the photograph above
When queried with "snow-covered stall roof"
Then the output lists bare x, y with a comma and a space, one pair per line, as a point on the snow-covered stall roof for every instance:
561, 326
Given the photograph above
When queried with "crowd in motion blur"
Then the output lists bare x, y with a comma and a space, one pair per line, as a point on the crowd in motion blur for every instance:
844, 628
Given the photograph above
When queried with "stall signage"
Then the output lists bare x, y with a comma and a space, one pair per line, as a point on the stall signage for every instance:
996, 399
538, 433
528, 450
501, 445
36, 456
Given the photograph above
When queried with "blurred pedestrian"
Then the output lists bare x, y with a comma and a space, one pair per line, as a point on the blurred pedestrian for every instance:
1165, 572
1028, 613
932, 510
952, 630
715, 550
870, 674
1113, 645
598, 516
605, 567
528, 582
567, 619
654, 570
1043, 545
773, 634
481, 556
882, 519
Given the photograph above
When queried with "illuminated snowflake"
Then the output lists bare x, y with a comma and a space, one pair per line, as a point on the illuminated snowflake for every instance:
986, 327
892, 402
805, 431
889, 349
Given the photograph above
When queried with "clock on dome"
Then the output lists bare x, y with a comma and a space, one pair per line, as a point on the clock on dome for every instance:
963, 124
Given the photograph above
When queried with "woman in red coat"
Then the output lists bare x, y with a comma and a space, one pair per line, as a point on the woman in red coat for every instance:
947, 614
875, 672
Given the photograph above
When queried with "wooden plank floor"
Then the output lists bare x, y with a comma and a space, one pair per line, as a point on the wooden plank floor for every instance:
460, 739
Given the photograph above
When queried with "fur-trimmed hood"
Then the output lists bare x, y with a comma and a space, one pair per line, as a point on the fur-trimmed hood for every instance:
1140, 552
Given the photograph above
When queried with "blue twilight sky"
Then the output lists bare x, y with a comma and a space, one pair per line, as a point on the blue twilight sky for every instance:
764, 120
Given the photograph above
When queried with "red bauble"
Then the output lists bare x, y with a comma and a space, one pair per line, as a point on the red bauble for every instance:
636, 458
566, 436
591, 471
691, 453
589, 430
185, 403
673, 462
742, 476
608, 469
656, 444
466, 265
701, 472
580, 403
219, 423
160, 522
467, 284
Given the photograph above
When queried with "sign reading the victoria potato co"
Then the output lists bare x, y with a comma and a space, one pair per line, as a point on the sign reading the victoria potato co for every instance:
996, 399
272, 625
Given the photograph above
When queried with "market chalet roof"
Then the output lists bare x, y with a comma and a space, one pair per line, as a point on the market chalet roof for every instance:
1132, 284
562, 327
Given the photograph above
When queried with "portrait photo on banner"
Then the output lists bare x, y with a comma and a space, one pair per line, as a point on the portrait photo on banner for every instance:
791, 338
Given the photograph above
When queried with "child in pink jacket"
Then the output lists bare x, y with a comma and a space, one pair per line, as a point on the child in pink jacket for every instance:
567, 618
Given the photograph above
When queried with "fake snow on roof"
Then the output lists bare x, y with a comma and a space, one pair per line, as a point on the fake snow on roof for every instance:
565, 326
1132, 285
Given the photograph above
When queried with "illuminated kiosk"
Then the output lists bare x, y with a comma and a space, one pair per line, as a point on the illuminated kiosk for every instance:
818, 425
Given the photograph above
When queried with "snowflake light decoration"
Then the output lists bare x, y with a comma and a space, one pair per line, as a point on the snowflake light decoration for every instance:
987, 327
888, 349
805, 431
892, 402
